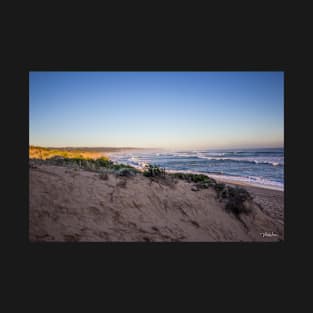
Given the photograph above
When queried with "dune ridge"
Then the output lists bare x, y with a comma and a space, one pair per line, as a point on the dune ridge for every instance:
70, 204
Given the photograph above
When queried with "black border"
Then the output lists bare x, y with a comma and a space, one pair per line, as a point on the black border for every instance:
179, 68
253, 37
248, 257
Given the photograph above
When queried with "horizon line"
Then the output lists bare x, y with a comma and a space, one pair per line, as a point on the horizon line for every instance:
133, 147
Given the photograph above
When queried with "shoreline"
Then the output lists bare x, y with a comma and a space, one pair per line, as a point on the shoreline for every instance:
228, 179
245, 183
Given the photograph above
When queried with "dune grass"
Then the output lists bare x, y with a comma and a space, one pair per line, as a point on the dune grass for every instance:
42, 153
92, 161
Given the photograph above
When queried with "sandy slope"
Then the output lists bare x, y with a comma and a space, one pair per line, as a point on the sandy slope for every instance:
271, 200
76, 205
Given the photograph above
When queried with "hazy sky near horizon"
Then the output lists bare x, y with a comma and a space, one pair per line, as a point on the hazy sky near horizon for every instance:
157, 109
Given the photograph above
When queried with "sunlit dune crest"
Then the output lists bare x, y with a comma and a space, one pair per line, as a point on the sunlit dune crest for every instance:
47, 153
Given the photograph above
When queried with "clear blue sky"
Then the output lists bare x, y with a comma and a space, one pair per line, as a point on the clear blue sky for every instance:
157, 109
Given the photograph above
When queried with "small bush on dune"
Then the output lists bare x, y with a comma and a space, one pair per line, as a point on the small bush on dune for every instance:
236, 200
153, 171
78, 161
120, 166
224, 193
81, 162
202, 185
126, 172
234, 197
219, 187
55, 160
201, 180
178, 175
104, 162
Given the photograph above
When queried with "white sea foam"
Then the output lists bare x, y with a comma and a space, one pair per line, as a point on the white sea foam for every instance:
252, 180
260, 160
140, 159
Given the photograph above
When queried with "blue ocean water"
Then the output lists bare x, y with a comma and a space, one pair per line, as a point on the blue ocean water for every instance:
262, 166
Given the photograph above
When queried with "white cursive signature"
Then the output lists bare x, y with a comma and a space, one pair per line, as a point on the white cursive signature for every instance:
268, 234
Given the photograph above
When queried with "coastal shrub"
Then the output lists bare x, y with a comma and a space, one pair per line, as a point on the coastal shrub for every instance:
234, 197
89, 163
219, 188
224, 193
55, 160
203, 185
178, 175
236, 200
78, 161
81, 162
153, 171
104, 162
201, 180
126, 172
119, 166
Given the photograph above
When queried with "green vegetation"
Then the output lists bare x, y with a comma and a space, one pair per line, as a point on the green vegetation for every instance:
76, 158
121, 166
102, 165
127, 171
47, 153
234, 197
202, 181
219, 188
104, 162
90, 164
154, 171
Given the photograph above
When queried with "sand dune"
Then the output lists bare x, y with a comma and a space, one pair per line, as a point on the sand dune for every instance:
77, 205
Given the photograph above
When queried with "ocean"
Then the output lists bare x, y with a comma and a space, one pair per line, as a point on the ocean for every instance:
256, 166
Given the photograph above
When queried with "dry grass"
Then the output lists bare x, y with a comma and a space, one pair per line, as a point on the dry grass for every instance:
47, 153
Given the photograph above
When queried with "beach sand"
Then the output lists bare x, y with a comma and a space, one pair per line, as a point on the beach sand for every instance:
271, 200
77, 205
